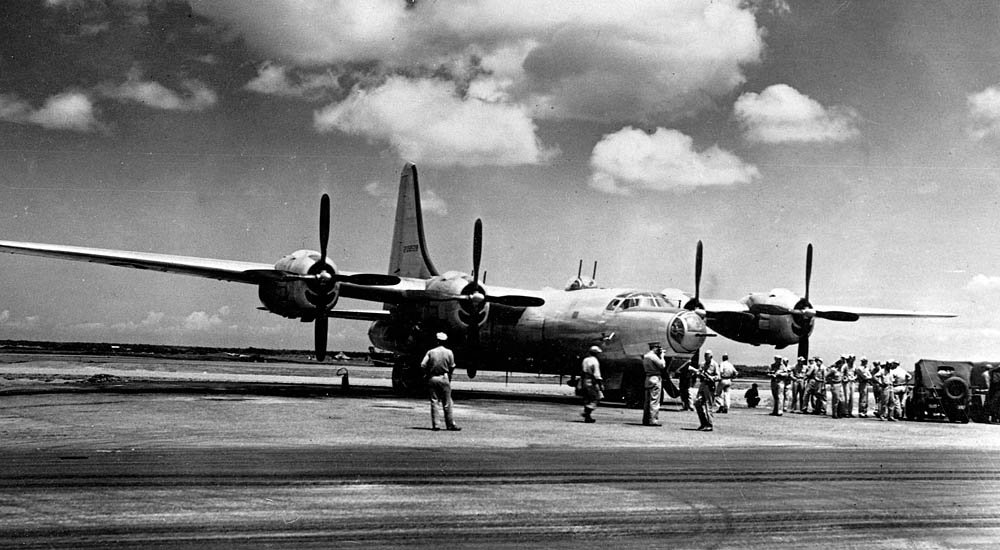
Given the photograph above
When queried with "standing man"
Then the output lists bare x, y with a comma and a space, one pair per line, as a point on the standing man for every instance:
876, 381
808, 379
887, 395
862, 375
654, 367
708, 377
727, 372
778, 373
835, 379
438, 365
798, 385
849, 378
900, 382
592, 383
685, 375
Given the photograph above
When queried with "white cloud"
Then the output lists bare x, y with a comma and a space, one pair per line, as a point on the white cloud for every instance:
426, 122
201, 321
631, 158
65, 111
587, 59
983, 284
782, 114
277, 80
151, 322
196, 97
984, 110
430, 201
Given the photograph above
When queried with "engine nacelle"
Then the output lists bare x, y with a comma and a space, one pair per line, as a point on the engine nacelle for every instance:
686, 332
296, 298
459, 315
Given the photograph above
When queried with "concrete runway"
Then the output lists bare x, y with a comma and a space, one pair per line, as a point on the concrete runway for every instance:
174, 463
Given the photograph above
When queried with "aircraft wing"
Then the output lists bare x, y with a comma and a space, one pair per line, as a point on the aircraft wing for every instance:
360, 314
223, 270
878, 312
727, 306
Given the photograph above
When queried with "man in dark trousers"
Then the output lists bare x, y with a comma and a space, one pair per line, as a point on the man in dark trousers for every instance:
438, 365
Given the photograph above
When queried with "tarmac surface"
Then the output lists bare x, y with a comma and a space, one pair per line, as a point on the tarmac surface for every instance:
107, 452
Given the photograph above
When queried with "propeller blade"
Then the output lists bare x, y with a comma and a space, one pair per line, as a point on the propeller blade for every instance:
477, 249
370, 279
324, 226
845, 316
804, 347
809, 268
322, 325
697, 272
516, 301
694, 304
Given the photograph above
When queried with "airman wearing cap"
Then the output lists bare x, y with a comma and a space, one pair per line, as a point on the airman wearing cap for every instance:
654, 366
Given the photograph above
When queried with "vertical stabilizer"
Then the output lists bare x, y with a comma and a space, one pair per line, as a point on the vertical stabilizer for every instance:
409, 249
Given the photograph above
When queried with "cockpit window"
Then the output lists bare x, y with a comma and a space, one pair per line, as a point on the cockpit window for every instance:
639, 299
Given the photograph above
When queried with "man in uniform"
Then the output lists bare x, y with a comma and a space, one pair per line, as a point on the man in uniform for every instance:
798, 385
848, 379
819, 388
685, 376
835, 379
900, 380
654, 367
862, 375
887, 394
708, 377
591, 383
875, 379
438, 365
727, 372
778, 373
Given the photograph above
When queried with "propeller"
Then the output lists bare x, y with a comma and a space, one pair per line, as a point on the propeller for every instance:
694, 304
322, 279
804, 311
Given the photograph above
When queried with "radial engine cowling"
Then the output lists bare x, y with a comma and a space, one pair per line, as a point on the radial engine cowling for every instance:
463, 313
298, 298
686, 332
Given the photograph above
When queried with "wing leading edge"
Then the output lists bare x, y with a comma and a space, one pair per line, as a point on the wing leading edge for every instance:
223, 270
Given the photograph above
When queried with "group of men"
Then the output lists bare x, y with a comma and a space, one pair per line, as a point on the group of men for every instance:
805, 386
809, 383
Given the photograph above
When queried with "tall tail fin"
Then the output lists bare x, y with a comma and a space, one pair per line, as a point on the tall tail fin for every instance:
409, 249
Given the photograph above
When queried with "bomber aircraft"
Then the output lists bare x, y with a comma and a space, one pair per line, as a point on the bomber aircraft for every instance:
497, 328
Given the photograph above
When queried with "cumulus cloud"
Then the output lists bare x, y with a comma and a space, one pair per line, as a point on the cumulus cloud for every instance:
66, 111
588, 59
984, 112
425, 121
430, 201
781, 114
983, 284
665, 160
196, 97
278, 80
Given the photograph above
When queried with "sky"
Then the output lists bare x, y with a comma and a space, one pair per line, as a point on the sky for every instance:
616, 132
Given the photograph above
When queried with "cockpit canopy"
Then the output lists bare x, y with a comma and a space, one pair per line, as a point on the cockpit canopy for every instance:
637, 299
